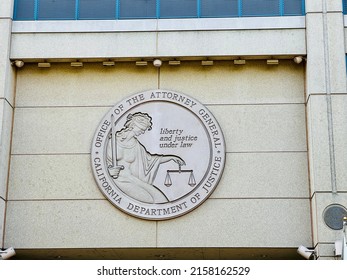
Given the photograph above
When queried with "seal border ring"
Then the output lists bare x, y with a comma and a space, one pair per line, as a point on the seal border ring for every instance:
196, 198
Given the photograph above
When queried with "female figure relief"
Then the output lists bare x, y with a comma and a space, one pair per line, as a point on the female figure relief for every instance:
136, 168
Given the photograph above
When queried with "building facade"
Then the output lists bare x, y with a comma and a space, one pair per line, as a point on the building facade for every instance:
273, 75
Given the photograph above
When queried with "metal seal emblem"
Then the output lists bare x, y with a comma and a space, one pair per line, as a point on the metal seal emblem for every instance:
158, 154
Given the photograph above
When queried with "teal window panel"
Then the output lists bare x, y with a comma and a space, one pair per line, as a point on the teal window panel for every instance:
97, 9
57, 9
178, 8
261, 8
129, 9
219, 8
293, 7
24, 9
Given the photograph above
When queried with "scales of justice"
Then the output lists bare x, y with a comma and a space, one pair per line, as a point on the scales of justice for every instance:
191, 180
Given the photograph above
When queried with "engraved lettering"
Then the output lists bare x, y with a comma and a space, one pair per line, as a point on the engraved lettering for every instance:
194, 199
213, 174
119, 109
101, 133
213, 128
135, 99
160, 211
172, 96
179, 141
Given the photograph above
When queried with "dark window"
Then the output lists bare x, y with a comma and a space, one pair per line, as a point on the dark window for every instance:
137, 9
97, 9
260, 8
293, 7
57, 9
219, 8
178, 8
25, 9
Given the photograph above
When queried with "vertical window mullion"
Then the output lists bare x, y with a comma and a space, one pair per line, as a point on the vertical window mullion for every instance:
198, 9
239, 12
117, 13
281, 7
158, 9
77, 8
15, 9
36, 10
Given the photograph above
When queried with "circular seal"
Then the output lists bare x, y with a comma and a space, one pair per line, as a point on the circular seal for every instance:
158, 154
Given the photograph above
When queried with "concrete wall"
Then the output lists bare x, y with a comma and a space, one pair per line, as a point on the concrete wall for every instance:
7, 81
326, 102
56, 40
54, 199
